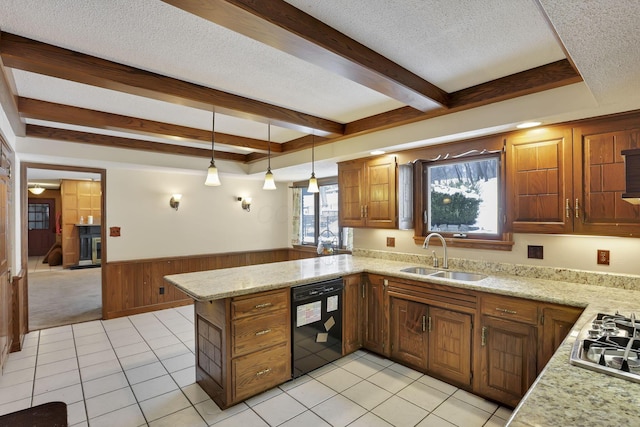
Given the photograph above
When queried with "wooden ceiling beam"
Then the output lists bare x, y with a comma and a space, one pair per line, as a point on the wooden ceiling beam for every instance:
9, 102
37, 57
52, 112
545, 77
282, 26
66, 135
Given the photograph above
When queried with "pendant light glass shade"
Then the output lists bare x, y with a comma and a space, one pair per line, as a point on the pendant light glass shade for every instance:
213, 180
36, 189
269, 182
313, 182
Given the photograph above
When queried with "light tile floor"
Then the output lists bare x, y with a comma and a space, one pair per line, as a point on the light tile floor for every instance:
139, 371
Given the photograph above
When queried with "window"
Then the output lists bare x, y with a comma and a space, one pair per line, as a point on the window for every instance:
38, 216
316, 216
462, 197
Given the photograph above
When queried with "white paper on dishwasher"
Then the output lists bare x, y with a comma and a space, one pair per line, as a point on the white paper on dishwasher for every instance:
332, 303
308, 313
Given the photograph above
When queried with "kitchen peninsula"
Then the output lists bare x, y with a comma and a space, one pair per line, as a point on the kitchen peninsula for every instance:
561, 395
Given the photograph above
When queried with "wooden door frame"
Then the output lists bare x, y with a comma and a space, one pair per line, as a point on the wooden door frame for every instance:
24, 200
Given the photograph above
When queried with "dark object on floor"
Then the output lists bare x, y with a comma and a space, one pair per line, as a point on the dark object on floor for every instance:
80, 267
53, 255
52, 414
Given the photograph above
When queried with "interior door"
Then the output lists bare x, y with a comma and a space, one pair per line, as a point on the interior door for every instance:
41, 221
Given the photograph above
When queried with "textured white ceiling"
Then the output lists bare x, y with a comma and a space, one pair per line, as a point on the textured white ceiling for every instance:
452, 43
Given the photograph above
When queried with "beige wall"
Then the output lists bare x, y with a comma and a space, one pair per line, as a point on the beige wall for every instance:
209, 219
573, 252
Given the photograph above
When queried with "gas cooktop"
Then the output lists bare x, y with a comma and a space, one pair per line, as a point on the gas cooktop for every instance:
610, 344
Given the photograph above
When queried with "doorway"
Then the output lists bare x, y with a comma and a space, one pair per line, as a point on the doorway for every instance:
52, 222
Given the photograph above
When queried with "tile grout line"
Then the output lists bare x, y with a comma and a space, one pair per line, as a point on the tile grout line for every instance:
168, 373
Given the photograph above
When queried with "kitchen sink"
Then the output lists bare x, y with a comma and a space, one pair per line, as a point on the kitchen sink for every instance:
445, 274
420, 270
459, 275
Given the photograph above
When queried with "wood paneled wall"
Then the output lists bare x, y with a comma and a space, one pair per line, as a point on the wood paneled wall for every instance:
138, 286
79, 199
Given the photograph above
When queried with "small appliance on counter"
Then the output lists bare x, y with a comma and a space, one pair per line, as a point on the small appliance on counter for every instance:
610, 344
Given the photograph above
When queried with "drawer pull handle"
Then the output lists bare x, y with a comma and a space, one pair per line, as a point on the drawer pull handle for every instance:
263, 332
264, 305
263, 372
504, 310
483, 341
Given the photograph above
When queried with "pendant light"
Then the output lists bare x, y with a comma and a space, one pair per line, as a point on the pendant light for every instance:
269, 182
36, 189
212, 173
313, 182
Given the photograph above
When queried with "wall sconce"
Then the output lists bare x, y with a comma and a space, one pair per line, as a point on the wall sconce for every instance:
246, 203
174, 201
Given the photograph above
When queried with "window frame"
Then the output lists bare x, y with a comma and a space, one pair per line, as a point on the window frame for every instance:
503, 240
322, 182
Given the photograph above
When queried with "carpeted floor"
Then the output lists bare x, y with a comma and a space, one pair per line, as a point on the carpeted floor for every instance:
61, 297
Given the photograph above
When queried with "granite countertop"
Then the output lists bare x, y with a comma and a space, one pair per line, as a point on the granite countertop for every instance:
563, 394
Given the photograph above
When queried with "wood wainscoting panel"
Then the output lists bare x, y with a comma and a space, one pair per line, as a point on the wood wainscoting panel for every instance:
138, 286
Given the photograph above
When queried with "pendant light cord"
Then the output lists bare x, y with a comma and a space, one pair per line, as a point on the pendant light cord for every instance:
213, 136
313, 154
269, 145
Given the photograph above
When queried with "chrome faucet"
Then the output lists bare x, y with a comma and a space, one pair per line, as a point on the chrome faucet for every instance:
425, 245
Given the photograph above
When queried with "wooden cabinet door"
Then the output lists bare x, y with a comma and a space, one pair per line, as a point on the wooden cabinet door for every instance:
450, 345
557, 321
352, 316
368, 193
351, 198
539, 192
408, 332
508, 359
599, 178
381, 207
374, 314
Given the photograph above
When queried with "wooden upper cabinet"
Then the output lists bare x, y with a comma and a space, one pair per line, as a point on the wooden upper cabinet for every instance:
539, 172
368, 193
571, 180
599, 180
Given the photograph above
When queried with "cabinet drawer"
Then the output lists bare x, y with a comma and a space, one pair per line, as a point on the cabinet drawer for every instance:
516, 309
257, 332
260, 371
260, 303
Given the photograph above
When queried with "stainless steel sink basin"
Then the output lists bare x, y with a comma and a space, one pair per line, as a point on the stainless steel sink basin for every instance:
445, 274
459, 275
420, 270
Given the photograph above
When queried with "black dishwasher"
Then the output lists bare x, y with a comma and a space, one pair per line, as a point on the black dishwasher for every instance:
316, 325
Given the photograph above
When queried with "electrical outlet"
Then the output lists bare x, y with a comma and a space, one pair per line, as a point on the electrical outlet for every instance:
391, 242
603, 256
162, 290
534, 252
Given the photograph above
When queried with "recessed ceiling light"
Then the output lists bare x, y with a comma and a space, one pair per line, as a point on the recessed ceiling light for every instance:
528, 125
377, 152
